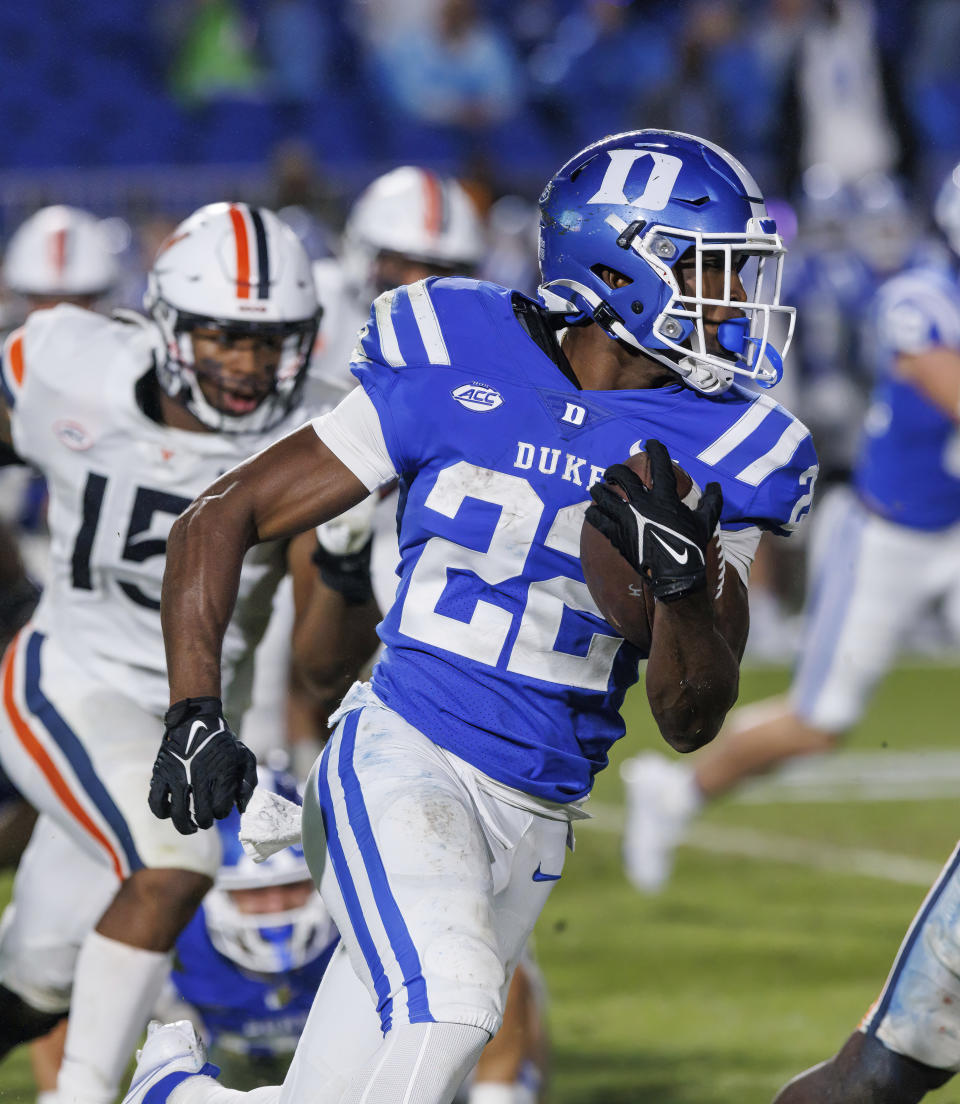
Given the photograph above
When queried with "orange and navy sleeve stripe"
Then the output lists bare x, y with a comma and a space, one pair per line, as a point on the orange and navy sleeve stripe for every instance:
12, 368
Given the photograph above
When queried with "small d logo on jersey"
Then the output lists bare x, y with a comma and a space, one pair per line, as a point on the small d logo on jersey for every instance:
477, 396
574, 414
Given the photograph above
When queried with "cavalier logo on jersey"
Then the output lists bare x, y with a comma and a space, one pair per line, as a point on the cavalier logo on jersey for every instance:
478, 396
72, 434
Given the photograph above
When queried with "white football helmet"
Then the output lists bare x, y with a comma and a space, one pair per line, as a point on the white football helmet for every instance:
265, 942
240, 270
60, 251
416, 214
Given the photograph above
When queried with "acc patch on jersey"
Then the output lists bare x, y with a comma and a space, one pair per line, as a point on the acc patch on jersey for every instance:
478, 396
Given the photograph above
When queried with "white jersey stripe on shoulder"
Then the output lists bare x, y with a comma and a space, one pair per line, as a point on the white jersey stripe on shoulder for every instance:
427, 323
389, 345
739, 431
789, 441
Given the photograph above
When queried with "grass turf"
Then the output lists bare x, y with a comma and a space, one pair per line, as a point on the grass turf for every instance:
743, 972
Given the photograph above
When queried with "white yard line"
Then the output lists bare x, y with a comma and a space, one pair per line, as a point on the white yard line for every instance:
749, 843
846, 776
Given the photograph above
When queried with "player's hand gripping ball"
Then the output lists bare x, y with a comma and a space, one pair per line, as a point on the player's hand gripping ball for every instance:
649, 536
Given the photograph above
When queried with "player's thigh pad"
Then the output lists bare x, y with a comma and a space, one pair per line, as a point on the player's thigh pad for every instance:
410, 873
918, 1012
82, 752
870, 582
59, 894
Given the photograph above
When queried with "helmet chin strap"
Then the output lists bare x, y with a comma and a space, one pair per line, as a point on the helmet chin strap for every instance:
702, 377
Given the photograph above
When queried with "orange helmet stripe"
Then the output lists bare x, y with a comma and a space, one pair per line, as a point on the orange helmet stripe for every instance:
433, 204
58, 250
243, 253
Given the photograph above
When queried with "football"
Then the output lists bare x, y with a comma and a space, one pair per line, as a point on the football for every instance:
625, 601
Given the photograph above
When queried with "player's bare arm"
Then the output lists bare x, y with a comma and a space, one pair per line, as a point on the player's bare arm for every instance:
6, 434
335, 622
288, 488
936, 372
693, 669
693, 674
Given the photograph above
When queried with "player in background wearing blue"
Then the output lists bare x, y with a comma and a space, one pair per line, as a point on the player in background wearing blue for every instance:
909, 1042
437, 818
890, 555
249, 962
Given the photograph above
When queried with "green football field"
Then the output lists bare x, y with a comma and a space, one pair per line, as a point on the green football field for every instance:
773, 937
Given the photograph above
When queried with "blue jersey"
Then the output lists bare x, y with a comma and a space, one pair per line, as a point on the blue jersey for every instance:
495, 649
909, 465
264, 1014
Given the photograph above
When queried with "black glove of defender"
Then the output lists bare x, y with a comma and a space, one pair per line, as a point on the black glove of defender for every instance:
347, 573
664, 540
200, 759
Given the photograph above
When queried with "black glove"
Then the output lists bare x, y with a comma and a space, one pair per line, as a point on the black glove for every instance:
349, 573
200, 758
664, 540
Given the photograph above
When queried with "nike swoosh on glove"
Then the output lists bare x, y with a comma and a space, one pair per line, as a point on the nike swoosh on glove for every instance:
661, 537
201, 770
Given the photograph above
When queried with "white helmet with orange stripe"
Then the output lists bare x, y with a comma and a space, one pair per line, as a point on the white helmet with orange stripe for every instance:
240, 274
414, 215
60, 253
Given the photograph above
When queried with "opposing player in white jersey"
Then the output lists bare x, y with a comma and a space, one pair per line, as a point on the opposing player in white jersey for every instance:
437, 819
128, 419
58, 255
890, 555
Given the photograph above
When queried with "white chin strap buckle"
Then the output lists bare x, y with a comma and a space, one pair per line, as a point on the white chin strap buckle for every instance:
703, 378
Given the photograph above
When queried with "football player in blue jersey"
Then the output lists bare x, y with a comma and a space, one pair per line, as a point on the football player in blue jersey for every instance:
437, 818
909, 481
868, 589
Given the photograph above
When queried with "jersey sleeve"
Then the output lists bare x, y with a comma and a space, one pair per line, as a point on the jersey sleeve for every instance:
917, 312
766, 464
12, 368
47, 368
353, 433
784, 495
403, 339
26, 384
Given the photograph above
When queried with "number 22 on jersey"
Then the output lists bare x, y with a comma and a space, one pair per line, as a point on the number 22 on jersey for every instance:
482, 637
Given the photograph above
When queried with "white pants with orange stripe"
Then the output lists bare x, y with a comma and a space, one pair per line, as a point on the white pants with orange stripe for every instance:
59, 894
82, 753
434, 874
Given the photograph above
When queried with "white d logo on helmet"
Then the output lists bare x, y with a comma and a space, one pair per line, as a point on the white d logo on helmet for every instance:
655, 196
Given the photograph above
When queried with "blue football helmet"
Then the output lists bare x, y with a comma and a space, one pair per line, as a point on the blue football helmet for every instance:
639, 202
265, 942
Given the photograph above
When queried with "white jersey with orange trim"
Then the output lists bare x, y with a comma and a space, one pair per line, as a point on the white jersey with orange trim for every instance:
117, 481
